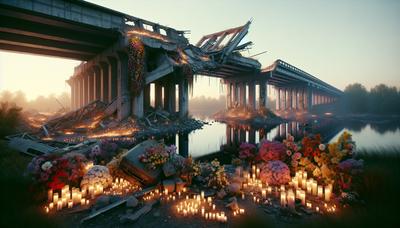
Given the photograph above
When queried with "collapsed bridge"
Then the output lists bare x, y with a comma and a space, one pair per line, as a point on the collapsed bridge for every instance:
123, 55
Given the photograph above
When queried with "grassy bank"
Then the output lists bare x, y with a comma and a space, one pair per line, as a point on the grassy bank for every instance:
18, 207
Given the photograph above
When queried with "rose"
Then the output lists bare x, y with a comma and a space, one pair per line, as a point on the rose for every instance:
46, 166
271, 150
322, 147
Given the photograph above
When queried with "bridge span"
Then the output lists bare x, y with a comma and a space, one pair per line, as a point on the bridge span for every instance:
123, 55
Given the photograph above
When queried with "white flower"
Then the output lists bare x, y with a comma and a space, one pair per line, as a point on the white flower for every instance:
47, 165
322, 147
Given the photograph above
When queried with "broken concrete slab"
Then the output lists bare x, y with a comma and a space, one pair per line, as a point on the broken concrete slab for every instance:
132, 166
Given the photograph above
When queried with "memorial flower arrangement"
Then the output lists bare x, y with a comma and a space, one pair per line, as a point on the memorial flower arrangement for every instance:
275, 173
155, 156
56, 170
97, 175
248, 152
271, 150
103, 152
214, 174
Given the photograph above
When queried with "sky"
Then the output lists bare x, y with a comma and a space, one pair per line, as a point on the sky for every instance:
340, 42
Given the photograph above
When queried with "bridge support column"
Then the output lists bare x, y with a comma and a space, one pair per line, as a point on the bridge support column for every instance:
228, 135
278, 99
138, 104
82, 90
285, 106
252, 136
228, 95
87, 87
104, 82
157, 95
73, 89
290, 99
252, 96
263, 97
97, 83
183, 97
309, 99
169, 97
124, 95
146, 98
90, 85
234, 95
296, 99
112, 78
242, 94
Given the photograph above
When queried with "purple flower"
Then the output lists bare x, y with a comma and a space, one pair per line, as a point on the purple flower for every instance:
351, 166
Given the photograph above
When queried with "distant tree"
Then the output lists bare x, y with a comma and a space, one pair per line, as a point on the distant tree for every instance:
383, 99
355, 98
10, 115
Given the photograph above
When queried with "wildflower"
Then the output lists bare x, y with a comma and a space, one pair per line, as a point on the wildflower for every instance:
46, 166
322, 147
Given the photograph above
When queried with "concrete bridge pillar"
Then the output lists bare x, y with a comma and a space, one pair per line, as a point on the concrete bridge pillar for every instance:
97, 83
296, 99
104, 82
252, 95
263, 97
146, 98
278, 99
169, 97
228, 135
87, 87
138, 104
90, 86
81, 90
290, 99
252, 136
112, 79
309, 98
228, 95
242, 94
158, 95
183, 97
124, 95
234, 95
285, 106
72, 85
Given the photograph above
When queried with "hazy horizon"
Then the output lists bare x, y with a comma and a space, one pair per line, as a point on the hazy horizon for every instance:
340, 42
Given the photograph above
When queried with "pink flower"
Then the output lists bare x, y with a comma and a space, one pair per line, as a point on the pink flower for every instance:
275, 173
288, 152
270, 151
296, 156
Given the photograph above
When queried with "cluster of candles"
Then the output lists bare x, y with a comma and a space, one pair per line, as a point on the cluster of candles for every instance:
200, 205
300, 181
67, 198
120, 186
299, 188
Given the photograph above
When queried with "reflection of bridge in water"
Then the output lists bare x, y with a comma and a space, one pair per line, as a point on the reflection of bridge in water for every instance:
232, 135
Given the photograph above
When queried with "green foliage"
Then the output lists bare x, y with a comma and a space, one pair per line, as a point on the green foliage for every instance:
381, 99
10, 115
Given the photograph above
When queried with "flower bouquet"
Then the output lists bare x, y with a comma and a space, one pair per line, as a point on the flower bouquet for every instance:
154, 157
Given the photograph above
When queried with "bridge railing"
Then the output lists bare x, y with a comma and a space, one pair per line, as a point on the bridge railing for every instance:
295, 69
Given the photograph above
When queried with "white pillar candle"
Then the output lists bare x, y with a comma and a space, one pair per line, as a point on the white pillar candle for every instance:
258, 172
309, 187
314, 187
50, 195
55, 197
295, 183
320, 191
328, 192
202, 194
291, 199
303, 197
264, 193
283, 198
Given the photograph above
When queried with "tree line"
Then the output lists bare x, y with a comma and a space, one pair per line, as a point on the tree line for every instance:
381, 99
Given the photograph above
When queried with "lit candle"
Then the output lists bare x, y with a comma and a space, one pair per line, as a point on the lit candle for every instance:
269, 189
51, 206
263, 193
309, 205
320, 191
291, 199
213, 206
317, 209
83, 201
46, 209
55, 197
202, 194
303, 197
50, 195
295, 183
309, 185
59, 205
242, 196
314, 186
70, 204
258, 172
283, 198
328, 192
202, 211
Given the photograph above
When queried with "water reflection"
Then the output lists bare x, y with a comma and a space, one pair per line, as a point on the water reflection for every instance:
212, 136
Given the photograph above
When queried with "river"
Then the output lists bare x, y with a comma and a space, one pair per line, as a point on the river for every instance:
212, 136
